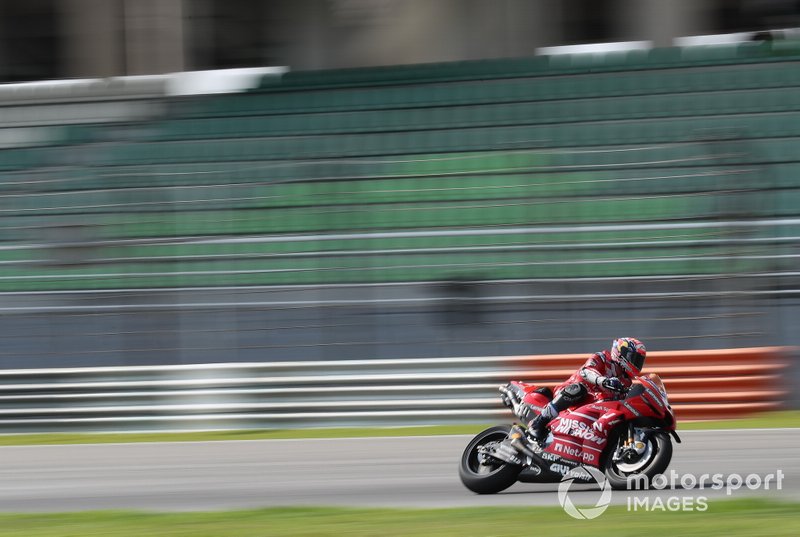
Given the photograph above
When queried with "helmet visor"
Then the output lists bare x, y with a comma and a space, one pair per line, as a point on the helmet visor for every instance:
635, 359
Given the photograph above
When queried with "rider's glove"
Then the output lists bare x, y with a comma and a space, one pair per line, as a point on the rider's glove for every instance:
612, 384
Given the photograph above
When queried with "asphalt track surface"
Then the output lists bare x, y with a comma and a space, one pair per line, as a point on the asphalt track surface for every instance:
387, 472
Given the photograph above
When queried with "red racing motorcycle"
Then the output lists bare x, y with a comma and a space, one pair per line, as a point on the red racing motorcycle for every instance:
623, 437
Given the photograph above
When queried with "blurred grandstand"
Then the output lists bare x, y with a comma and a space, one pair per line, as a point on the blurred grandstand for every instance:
494, 207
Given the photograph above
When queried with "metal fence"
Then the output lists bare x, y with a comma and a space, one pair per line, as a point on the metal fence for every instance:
702, 385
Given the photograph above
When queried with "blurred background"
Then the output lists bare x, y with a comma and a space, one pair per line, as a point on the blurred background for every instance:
296, 182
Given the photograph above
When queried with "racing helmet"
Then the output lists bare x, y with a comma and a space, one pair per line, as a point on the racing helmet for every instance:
629, 353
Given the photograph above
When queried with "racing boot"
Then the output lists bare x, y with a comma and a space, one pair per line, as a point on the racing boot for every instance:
537, 428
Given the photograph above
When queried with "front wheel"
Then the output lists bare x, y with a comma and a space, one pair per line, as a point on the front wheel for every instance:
649, 461
484, 474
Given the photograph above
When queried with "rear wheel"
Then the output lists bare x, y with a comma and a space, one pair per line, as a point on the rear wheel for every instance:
481, 473
651, 459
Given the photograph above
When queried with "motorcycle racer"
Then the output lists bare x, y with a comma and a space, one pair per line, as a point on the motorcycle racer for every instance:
605, 375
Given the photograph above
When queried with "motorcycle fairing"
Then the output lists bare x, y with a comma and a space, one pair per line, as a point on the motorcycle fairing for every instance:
537, 401
580, 434
574, 437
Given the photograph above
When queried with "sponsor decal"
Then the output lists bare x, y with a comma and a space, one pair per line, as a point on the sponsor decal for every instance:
587, 457
654, 396
567, 450
588, 434
578, 429
633, 410
546, 455
558, 468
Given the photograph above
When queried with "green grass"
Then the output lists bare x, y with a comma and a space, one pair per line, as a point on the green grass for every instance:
731, 518
255, 434
790, 418
768, 420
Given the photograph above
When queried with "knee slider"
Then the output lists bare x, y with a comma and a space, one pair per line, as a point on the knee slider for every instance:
574, 392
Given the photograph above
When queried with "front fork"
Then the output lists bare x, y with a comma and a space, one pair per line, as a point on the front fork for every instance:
632, 447
631, 435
